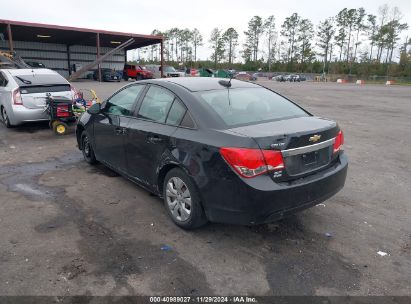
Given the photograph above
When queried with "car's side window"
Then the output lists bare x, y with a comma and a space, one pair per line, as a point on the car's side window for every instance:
176, 113
187, 121
156, 104
122, 103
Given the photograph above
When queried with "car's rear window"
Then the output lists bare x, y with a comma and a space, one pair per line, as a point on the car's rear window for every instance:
39, 79
243, 106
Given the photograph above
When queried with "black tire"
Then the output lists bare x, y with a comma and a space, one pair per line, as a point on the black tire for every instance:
197, 216
60, 128
5, 118
139, 77
87, 149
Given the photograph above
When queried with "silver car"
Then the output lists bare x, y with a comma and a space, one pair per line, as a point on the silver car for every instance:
23, 94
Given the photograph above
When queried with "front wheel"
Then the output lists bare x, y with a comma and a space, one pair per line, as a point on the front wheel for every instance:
87, 149
182, 200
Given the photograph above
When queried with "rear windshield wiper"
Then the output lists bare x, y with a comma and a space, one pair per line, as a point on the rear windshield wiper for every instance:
25, 81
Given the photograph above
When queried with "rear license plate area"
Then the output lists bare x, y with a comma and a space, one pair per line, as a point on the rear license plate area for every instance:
306, 162
309, 159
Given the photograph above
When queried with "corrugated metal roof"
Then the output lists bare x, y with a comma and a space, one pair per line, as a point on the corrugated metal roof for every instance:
29, 31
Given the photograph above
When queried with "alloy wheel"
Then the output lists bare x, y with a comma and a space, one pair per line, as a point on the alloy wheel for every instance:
178, 199
86, 146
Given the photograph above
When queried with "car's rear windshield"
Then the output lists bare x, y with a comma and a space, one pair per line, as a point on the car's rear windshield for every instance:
39, 79
245, 106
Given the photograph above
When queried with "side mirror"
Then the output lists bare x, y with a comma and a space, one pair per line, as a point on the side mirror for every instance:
94, 109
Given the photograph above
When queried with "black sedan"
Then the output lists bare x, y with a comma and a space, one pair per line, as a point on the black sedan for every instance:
218, 151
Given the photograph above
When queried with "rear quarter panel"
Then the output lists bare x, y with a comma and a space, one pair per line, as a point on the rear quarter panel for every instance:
197, 152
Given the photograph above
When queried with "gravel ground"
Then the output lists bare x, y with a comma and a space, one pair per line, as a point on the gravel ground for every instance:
68, 228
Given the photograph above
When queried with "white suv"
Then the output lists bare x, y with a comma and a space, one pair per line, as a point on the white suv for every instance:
169, 71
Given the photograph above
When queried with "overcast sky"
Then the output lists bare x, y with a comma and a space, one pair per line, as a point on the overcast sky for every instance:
143, 16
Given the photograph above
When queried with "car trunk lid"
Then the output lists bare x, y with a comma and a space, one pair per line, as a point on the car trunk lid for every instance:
36, 84
34, 97
306, 142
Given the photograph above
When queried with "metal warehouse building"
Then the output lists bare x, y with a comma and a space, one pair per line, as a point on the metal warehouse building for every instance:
67, 49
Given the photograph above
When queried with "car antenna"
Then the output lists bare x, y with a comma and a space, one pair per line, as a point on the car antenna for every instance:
226, 83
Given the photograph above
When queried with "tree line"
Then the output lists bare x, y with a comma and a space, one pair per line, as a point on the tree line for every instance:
351, 42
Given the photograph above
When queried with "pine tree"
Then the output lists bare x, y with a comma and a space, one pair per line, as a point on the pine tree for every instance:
253, 34
305, 35
217, 45
359, 26
325, 35
289, 30
230, 38
196, 40
372, 30
269, 26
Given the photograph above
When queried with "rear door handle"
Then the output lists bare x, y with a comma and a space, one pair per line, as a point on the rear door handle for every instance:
154, 139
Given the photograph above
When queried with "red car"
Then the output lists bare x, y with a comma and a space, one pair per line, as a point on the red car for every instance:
137, 72
193, 72
243, 76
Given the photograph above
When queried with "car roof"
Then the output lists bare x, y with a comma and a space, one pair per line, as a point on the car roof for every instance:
205, 83
21, 72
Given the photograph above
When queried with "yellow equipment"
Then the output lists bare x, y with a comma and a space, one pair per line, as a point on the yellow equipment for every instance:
13, 59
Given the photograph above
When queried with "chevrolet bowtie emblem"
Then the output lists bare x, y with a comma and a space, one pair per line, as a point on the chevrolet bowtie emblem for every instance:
314, 138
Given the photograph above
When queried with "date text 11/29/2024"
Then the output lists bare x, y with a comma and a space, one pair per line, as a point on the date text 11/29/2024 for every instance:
204, 299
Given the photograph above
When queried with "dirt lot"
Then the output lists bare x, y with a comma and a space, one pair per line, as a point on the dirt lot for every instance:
71, 229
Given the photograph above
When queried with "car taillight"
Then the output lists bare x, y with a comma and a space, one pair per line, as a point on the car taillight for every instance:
339, 141
17, 100
252, 162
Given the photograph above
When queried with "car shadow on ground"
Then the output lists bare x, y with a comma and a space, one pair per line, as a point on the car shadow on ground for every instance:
295, 258
38, 126
31, 127
124, 238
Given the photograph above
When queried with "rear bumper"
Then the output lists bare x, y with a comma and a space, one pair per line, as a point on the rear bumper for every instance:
239, 202
21, 114
111, 78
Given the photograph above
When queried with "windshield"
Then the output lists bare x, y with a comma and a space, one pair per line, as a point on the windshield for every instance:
249, 105
169, 69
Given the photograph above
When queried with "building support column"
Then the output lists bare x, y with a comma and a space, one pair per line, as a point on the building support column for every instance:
68, 59
98, 56
162, 57
11, 46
